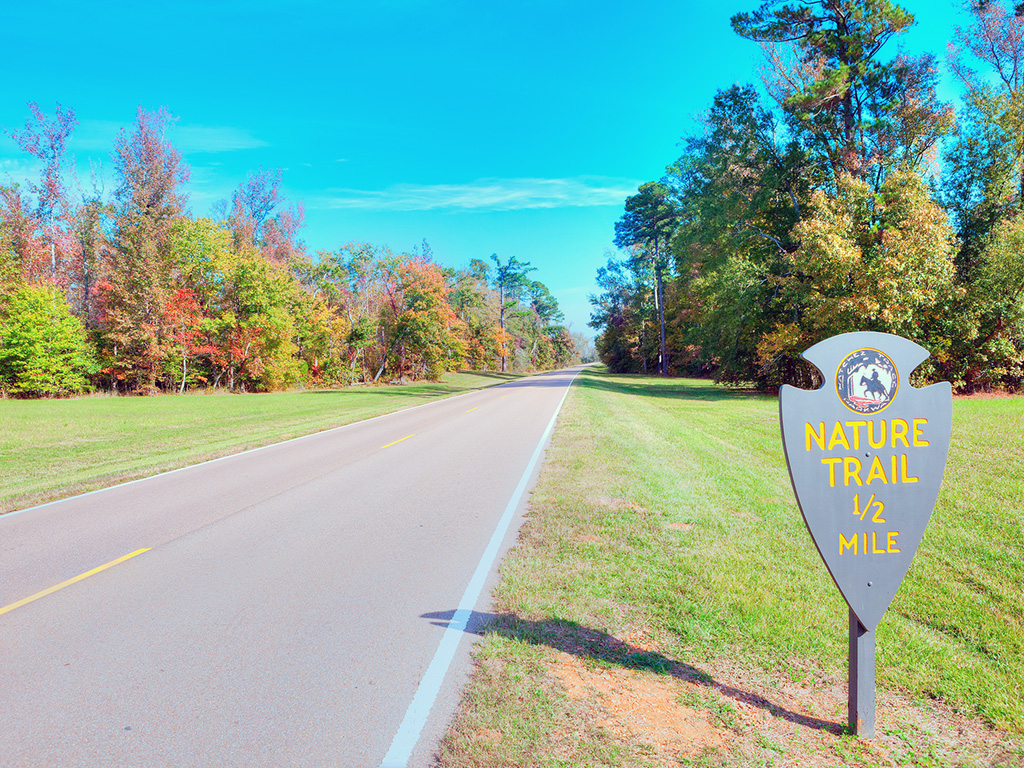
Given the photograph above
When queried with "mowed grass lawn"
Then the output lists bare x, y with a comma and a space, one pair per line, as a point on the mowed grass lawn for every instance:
665, 604
54, 448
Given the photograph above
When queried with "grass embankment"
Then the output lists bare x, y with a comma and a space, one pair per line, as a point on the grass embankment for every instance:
55, 448
665, 604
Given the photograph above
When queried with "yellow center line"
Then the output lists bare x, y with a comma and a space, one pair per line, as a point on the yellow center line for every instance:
398, 441
472, 409
69, 582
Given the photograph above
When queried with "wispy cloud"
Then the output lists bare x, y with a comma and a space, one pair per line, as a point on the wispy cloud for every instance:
212, 138
484, 195
189, 138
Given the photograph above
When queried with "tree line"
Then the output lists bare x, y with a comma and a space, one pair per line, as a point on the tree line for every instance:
842, 195
133, 294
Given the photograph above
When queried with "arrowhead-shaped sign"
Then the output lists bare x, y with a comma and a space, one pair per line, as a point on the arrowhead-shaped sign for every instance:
866, 454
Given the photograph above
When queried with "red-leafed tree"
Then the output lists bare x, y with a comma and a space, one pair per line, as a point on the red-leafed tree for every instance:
183, 318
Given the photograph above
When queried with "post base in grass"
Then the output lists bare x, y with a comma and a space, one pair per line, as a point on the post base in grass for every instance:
862, 679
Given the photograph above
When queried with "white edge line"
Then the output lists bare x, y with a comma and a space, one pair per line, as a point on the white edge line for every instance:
430, 685
12, 513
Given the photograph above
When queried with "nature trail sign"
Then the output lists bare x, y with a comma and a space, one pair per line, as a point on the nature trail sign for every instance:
866, 453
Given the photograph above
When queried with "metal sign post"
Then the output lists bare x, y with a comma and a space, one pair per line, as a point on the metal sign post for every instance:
866, 453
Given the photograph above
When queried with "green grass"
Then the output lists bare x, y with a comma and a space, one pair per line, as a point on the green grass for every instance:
666, 506
54, 448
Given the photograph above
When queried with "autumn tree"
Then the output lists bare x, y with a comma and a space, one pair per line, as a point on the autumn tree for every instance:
259, 218
252, 203
183, 317
431, 332
866, 262
148, 201
92, 220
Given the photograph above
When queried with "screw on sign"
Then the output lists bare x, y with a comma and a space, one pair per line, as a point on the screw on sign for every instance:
866, 453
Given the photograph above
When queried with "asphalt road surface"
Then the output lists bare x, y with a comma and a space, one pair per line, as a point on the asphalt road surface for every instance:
280, 607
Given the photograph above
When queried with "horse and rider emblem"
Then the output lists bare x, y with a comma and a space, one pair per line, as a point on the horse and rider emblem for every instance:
866, 381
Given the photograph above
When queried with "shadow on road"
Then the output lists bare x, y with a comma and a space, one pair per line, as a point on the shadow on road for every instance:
578, 640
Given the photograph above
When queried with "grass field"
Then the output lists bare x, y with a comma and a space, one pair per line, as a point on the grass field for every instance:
666, 606
54, 448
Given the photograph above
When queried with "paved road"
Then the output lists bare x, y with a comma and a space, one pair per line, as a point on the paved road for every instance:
282, 614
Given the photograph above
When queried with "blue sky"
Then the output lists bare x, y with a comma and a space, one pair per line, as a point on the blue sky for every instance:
514, 128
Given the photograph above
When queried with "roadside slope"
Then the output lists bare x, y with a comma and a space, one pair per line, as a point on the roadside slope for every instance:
666, 604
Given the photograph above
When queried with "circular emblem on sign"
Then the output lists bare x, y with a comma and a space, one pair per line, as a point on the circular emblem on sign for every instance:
867, 381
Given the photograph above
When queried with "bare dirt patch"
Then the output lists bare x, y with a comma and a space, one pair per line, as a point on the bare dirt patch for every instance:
639, 707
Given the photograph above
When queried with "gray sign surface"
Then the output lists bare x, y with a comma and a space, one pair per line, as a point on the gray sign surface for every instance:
866, 453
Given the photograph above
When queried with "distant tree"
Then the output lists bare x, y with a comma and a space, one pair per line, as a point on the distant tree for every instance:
509, 279
584, 347
648, 224
547, 347
619, 317
479, 269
